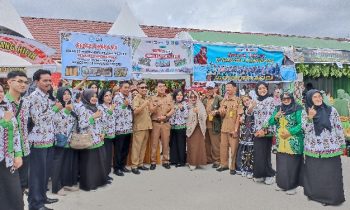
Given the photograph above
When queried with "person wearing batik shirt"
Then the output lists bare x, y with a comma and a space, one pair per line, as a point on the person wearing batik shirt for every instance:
42, 111
290, 143
108, 125
323, 145
178, 130
64, 157
10, 157
92, 160
18, 83
262, 110
123, 128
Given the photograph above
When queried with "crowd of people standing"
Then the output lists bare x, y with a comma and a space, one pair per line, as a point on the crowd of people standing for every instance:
233, 133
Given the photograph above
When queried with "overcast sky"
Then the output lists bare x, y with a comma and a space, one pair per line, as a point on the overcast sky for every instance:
323, 18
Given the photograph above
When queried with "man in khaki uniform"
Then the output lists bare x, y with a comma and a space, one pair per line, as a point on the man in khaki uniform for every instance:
230, 110
162, 107
141, 129
212, 138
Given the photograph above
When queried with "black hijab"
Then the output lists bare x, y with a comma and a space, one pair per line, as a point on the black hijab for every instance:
292, 107
86, 97
261, 98
60, 93
322, 117
102, 94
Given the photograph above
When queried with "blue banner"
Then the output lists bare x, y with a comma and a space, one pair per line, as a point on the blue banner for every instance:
96, 56
233, 63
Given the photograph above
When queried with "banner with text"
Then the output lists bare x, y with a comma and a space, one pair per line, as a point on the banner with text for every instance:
95, 56
153, 55
234, 63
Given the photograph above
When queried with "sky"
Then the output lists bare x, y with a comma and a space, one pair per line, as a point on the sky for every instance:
315, 18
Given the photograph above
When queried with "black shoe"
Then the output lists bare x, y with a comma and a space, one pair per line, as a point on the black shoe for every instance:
125, 170
166, 165
324, 204
118, 173
143, 168
153, 166
51, 200
215, 165
180, 165
135, 171
232, 172
221, 169
42, 208
108, 182
109, 178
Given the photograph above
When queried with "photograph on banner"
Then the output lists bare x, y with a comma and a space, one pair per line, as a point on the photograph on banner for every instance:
154, 55
95, 56
235, 63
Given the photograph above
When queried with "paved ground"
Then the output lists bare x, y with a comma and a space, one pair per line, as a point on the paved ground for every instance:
180, 188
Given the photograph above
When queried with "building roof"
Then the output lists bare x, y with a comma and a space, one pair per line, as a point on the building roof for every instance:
270, 40
47, 30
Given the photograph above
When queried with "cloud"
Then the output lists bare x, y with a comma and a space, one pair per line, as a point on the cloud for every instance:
297, 17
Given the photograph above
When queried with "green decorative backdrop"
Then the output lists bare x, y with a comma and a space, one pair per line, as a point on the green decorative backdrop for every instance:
323, 70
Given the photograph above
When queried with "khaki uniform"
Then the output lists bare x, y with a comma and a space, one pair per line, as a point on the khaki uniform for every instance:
212, 140
141, 127
234, 109
161, 129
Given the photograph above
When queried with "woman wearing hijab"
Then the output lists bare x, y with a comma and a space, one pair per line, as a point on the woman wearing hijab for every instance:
10, 157
92, 160
324, 143
196, 127
65, 171
108, 126
262, 110
178, 130
290, 143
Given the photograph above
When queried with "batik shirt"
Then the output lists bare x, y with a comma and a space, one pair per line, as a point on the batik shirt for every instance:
247, 129
10, 143
123, 114
22, 121
329, 143
262, 113
294, 144
88, 124
108, 121
64, 122
179, 119
42, 112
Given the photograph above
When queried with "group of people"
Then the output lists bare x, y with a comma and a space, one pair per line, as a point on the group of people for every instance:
232, 133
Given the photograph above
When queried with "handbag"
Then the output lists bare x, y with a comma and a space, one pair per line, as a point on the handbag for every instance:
81, 140
61, 140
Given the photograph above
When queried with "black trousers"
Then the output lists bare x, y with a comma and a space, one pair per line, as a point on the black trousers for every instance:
10, 189
121, 151
40, 169
108, 145
24, 173
262, 157
57, 170
178, 146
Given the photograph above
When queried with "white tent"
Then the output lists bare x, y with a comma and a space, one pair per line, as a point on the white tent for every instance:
126, 24
11, 21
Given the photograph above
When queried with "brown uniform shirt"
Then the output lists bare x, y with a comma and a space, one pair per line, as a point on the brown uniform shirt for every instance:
208, 108
165, 105
142, 120
234, 108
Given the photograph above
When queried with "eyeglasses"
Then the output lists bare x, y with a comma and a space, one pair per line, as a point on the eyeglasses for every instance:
285, 99
193, 97
143, 87
22, 82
